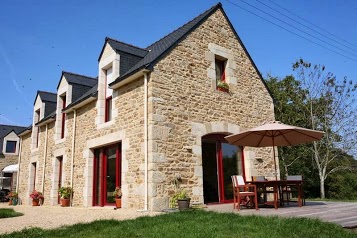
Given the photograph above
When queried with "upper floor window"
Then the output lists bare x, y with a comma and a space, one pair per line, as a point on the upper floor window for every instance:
220, 67
10, 146
63, 124
37, 119
108, 94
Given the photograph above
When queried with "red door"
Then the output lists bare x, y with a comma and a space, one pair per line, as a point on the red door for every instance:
220, 161
106, 174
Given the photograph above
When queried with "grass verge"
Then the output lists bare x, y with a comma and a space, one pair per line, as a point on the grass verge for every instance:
195, 224
9, 212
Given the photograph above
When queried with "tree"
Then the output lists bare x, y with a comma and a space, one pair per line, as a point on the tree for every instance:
316, 100
330, 106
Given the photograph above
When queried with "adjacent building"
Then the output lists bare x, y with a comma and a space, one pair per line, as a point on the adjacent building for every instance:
153, 117
9, 154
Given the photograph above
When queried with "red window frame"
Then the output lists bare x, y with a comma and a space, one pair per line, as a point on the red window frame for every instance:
221, 64
102, 161
63, 116
60, 165
34, 165
108, 108
38, 129
219, 139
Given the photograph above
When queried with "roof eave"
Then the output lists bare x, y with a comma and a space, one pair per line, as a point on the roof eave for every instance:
24, 132
42, 123
129, 78
81, 104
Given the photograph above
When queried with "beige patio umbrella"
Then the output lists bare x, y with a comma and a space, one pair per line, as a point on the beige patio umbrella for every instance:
274, 134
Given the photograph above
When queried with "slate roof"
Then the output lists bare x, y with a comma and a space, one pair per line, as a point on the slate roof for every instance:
158, 49
51, 115
47, 96
5, 130
163, 46
73, 78
93, 92
124, 47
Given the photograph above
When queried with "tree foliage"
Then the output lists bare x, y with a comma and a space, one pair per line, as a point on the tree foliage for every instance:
317, 100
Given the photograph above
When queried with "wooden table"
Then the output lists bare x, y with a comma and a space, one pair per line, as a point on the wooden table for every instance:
277, 186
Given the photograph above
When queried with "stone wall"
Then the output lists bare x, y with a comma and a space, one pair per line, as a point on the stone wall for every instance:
185, 105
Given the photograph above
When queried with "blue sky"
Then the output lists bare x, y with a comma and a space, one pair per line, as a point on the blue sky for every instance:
39, 39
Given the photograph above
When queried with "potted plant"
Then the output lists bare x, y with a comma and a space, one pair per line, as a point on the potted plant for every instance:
14, 197
10, 196
222, 86
36, 197
117, 194
65, 194
180, 199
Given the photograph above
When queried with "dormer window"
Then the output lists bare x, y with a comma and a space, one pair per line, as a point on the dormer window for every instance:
63, 124
11, 146
108, 94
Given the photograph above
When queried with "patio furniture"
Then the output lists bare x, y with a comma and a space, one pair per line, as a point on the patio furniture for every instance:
243, 193
261, 189
271, 186
293, 185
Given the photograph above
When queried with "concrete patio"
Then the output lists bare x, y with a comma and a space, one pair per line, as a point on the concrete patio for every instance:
342, 213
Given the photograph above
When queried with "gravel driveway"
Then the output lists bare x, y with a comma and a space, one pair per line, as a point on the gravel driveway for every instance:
55, 216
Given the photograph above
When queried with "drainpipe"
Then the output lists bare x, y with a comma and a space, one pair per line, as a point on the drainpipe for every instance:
44, 160
73, 144
18, 170
146, 138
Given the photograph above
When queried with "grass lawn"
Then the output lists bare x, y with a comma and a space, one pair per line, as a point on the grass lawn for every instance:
9, 212
195, 224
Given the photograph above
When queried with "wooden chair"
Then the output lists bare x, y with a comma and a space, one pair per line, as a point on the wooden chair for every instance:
243, 193
289, 189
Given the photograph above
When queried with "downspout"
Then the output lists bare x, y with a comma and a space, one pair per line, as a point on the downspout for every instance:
146, 138
18, 170
44, 161
72, 156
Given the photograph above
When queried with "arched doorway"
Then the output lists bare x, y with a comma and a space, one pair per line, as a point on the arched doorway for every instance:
220, 160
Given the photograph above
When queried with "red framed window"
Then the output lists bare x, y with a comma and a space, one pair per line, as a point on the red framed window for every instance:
38, 128
220, 161
108, 109
108, 94
10, 146
34, 172
220, 70
106, 174
63, 98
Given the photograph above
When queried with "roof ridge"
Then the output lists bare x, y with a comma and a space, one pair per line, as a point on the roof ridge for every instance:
219, 4
140, 48
46, 92
67, 72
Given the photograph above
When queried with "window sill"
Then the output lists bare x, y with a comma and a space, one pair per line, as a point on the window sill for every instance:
10, 153
59, 141
105, 124
223, 90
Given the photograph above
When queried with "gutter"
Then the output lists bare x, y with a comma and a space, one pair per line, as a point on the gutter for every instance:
18, 170
146, 138
72, 156
145, 209
44, 160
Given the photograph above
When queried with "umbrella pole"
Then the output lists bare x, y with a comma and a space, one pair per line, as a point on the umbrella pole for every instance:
276, 172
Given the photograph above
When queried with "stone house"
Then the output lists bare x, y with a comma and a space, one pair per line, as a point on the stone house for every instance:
9, 154
153, 116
